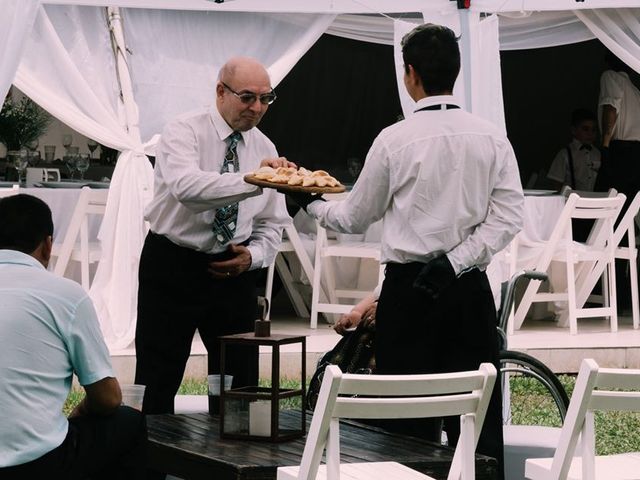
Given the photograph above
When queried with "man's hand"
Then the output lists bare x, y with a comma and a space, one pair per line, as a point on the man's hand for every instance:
435, 277
277, 162
239, 262
303, 199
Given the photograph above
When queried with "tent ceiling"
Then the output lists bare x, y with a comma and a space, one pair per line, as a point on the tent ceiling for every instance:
353, 6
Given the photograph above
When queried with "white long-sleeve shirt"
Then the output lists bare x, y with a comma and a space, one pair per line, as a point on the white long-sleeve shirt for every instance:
617, 90
441, 180
188, 187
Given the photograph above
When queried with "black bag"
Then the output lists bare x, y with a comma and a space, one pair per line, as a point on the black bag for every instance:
354, 353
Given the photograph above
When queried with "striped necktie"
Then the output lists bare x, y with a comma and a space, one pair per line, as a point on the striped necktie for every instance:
224, 223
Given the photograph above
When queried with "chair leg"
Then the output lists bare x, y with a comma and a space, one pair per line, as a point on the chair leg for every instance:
268, 289
84, 254
315, 291
571, 296
633, 272
613, 301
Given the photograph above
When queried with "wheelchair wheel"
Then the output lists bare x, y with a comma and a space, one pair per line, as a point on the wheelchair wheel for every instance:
532, 394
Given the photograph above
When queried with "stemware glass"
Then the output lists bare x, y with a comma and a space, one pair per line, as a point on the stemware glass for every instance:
20, 161
70, 162
67, 139
92, 145
82, 164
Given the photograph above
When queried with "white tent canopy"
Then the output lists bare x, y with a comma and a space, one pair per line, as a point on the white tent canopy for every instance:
70, 57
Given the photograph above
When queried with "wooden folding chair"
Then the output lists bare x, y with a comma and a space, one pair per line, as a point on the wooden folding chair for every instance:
356, 396
75, 245
605, 389
561, 247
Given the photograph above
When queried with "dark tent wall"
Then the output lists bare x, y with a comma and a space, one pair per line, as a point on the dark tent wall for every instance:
333, 103
343, 92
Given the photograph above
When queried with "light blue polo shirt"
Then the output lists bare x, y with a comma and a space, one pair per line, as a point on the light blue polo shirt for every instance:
48, 331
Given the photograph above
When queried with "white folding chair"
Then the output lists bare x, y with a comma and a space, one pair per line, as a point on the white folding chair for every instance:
626, 227
90, 202
8, 191
324, 272
604, 389
291, 242
392, 396
561, 247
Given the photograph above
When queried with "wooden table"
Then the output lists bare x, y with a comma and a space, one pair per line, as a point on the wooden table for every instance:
190, 447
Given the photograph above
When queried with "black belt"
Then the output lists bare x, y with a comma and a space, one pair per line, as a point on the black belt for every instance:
209, 257
439, 106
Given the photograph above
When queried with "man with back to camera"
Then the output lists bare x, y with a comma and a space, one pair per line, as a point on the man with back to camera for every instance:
209, 233
447, 186
50, 331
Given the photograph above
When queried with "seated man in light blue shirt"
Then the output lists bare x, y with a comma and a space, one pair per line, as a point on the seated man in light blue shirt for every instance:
50, 332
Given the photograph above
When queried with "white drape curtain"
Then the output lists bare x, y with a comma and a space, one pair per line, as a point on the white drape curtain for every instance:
177, 71
480, 80
618, 29
520, 31
68, 68
16, 22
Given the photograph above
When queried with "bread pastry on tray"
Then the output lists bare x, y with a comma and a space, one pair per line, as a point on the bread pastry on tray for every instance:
291, 179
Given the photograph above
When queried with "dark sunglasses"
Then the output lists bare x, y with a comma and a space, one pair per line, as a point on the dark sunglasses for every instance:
249, 98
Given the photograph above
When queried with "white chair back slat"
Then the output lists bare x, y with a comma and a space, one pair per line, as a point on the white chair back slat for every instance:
76, 238
588, 397
466, 397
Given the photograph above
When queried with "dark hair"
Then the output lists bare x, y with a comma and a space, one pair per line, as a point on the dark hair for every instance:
25, 221
433, 52
615, 63
580, 115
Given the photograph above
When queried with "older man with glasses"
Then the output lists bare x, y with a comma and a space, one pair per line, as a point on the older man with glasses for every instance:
209, 234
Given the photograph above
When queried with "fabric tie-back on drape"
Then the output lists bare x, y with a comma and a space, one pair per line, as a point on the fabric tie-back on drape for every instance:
16, 22
177, 71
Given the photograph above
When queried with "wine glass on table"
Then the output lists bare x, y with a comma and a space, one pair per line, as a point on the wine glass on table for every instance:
20, 161
70, 162
67, 139
92, 145
82, 164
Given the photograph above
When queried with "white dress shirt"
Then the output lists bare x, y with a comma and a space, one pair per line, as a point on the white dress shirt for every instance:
188, 187
617, 90
586, 163
441, 180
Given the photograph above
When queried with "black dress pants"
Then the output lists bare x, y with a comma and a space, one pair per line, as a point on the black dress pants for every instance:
176, 296
96, 447
454, 333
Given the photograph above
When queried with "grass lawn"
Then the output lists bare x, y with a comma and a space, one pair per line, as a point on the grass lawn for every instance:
616, 432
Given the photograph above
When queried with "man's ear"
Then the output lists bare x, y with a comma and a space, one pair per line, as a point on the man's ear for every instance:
45, 250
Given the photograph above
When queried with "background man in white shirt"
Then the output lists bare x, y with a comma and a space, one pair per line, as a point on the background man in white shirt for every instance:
619, 112
50, 332
199, 262
447, 187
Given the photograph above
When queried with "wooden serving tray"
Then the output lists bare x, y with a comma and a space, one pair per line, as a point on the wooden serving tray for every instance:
284, 188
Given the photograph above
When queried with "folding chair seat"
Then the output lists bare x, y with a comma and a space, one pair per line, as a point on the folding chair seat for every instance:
75, 245
291, 243
579, 259
356, 396
596, 389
